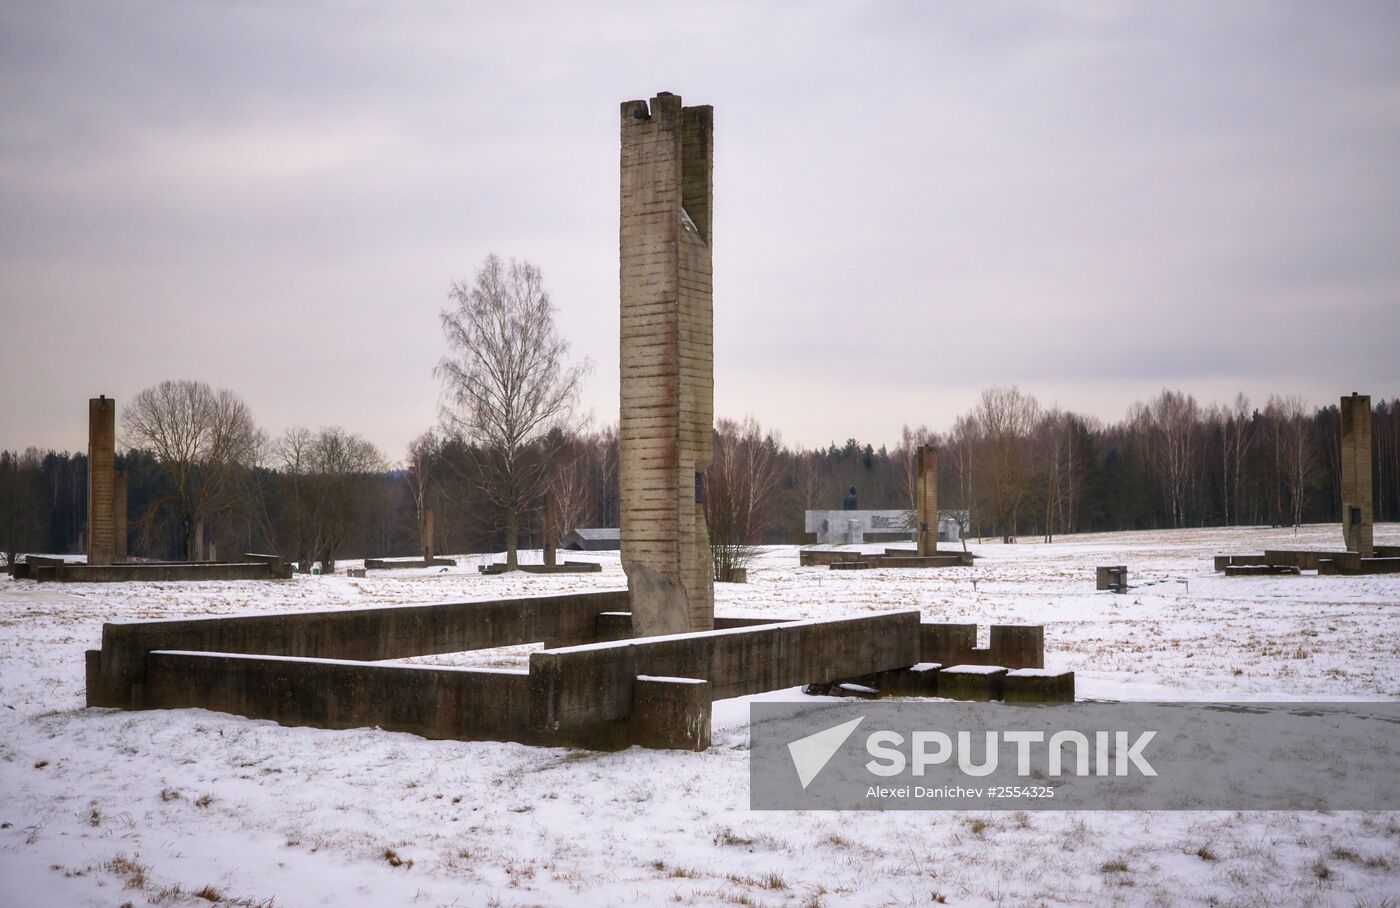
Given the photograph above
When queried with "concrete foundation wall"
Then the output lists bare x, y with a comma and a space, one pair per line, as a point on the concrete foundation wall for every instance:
460, 704
353, 634
578, 686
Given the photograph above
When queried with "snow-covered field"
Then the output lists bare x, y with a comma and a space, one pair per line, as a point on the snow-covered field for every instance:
100, 807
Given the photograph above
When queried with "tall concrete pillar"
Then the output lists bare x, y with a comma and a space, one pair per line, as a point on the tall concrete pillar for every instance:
665, 430
550, 543
119, 516
102, 463
1357, 528
199, 540
427, 535
926, 500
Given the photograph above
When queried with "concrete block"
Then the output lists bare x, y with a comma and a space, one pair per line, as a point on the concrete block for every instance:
918, 680
1017, 646
971, 682
1037, 685
946, 644
669, 713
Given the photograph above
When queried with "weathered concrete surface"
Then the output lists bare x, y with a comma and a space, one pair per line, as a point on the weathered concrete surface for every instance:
434, 702
352, 634
388, 564
667, 362
1111, 577
897, 558
119, 516
926, 501
669, 713
1029, 685
158, 572
1358, 531
101, 463
568, 567
1009, 645
1359, 566
582, 685
1224, 561
1256, 570
971, 682
1307, 560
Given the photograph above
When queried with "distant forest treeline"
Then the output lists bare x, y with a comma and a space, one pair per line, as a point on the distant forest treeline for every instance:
1018, 468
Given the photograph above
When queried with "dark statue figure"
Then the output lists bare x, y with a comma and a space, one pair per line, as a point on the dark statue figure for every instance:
850, 503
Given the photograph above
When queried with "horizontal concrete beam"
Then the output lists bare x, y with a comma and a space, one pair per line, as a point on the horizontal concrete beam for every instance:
582, 685
434, 702
356, 634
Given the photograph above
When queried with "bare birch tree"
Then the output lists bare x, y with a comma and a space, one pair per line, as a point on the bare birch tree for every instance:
1167, 429
506, 380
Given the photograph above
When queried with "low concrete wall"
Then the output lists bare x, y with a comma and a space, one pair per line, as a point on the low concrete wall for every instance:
460, 704
386, 564
155, 572
1009, 645
895, 558
352, 634
568, 567
582, 685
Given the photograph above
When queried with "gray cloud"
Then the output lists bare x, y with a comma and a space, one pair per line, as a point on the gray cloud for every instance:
914, 201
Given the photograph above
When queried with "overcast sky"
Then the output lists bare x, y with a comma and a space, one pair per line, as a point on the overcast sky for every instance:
912, 201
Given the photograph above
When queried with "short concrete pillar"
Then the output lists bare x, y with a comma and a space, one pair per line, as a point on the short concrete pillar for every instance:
669, 713
918, 680
946, 644
1037, 685
1017, 646
971, 682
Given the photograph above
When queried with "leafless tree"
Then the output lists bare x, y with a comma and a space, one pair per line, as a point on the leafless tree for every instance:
740, 488
1006, 419
960, 448
423, 457
506, 380
330, 475
202, 439
1294, 453
1167, 429
811, 483
570, 486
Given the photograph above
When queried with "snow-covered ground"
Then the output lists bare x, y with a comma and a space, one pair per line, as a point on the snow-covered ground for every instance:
103, 807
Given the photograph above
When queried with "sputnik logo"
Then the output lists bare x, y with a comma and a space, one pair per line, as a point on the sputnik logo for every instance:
811, 754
